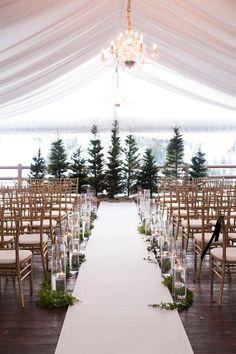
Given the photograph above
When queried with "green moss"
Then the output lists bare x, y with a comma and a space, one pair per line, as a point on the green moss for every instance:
50, 299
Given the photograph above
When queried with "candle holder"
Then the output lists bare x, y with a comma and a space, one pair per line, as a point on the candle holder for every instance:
166, 256
179, 277
58, 268
74, 256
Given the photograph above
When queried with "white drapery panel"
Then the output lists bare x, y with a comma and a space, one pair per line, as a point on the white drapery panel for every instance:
48, 39
42, 42
196, 38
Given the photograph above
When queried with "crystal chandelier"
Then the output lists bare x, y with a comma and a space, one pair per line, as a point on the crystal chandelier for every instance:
129, 50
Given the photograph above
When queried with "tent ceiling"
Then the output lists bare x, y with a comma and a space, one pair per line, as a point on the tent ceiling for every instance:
49, 46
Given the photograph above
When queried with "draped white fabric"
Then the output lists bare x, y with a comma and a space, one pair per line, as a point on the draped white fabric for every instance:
46, 43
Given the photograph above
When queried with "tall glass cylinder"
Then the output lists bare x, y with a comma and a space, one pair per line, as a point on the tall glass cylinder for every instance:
179, 277
58, 267
74, 256
166, 255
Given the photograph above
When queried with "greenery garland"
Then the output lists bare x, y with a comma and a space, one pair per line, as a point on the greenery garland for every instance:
179, 306
49, 298
143, 230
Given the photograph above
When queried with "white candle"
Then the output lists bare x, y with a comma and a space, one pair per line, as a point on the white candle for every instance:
74, 261
60, 282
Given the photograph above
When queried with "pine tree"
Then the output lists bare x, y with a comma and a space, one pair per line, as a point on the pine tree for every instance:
78, 168
58, 164
38, 167
149, 172
96, 162
114, 173
175, 155
131, 165
197, 167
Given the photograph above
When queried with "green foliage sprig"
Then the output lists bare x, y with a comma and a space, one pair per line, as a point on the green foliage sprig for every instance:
50, 299
143, 230
179, 306
93, 216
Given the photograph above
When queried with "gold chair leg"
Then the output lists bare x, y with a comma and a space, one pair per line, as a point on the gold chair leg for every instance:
199, 270
21, 291
195, 261
187, 239
221, 284
212, 278
31, 278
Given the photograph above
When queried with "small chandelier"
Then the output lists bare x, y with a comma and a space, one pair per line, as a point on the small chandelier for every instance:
129, 50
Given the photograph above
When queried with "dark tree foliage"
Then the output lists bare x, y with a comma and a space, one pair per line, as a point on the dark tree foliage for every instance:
96, 161
38, 167
131, 164
78, 168
175, 155
58, 164
149, 172
114, 173
198, 167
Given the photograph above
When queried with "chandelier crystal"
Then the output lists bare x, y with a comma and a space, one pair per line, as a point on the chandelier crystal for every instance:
129, 50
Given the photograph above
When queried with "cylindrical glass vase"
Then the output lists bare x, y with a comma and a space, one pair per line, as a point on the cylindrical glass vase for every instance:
74, 256
179, 277
166, 254
58, 268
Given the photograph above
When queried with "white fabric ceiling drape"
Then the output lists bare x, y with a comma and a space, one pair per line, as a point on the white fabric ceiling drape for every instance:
43, 42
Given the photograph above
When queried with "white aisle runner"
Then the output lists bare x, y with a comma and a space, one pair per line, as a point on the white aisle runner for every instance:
115, 286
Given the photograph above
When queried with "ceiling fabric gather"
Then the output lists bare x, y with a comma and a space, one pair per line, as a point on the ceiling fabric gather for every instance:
47, 43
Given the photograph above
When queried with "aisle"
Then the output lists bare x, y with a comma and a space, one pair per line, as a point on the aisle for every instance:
115, 285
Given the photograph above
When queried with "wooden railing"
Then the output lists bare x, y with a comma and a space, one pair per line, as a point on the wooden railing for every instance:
212, 167
17, 179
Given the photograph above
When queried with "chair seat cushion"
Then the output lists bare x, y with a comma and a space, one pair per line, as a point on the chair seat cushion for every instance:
8, 239
46, 223
193, 223
9, 256
32, 239
232, 235
213, 222
58, 213
207, 237
181, 212
67, 206
230, 253
12, 225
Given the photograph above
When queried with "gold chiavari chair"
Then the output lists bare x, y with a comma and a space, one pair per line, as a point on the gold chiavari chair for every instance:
222, 260
14, 262
33, 236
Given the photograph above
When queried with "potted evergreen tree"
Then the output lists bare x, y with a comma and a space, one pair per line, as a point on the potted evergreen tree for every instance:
175, 155
198, 167
96, 162
58, 164
78, 168
114, 173
38, 167
149, 171
131, 164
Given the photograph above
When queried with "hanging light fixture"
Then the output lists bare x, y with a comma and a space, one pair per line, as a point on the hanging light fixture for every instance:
129, 50
118, 97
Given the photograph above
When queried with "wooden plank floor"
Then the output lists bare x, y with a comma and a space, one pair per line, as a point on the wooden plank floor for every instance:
211, 329
31, 330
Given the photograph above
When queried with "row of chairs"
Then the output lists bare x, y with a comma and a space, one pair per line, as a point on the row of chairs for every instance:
28, 219
195, 209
